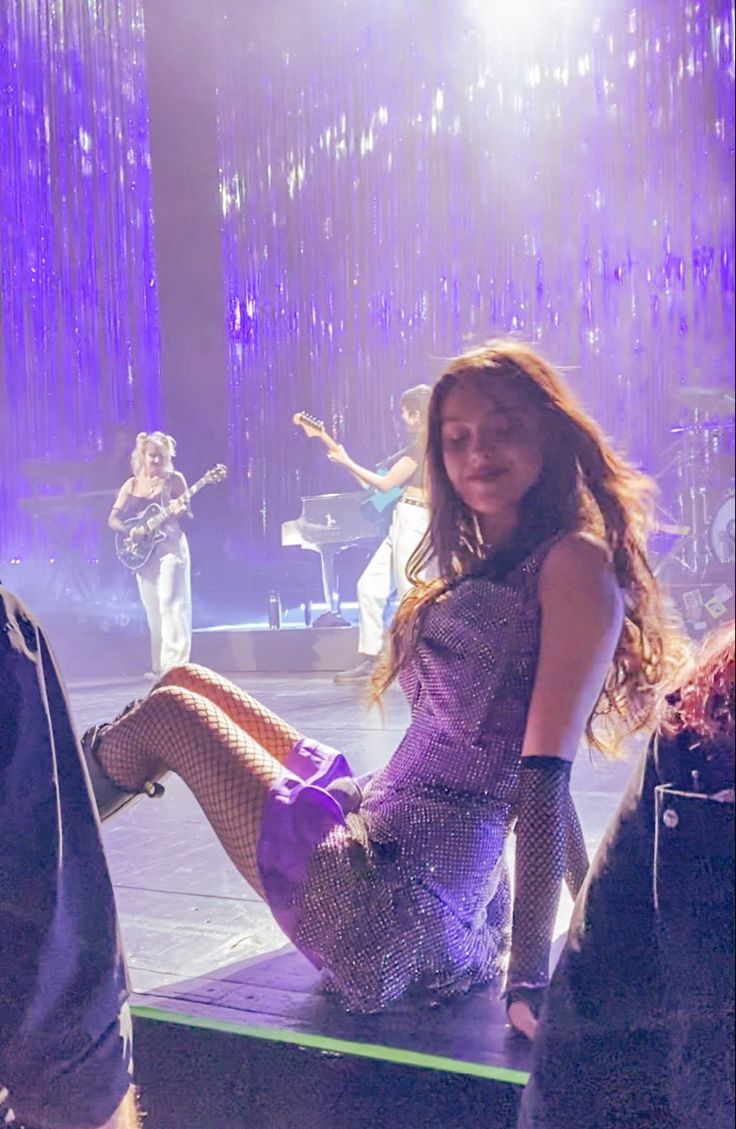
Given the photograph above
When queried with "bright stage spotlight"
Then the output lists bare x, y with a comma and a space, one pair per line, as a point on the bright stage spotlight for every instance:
518, 23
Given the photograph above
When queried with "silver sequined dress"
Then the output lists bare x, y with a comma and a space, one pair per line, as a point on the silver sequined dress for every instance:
411, 893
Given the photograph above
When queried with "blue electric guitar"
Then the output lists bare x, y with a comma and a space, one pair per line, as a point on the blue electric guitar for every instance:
376, 502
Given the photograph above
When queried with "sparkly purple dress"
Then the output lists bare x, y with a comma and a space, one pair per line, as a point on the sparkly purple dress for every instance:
409, 892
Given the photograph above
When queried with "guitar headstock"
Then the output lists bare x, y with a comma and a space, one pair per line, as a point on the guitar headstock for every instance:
313, 427
215, 473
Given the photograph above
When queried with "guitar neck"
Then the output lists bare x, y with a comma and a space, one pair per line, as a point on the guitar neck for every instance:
192, 490
156, 522
328, 441
315, 429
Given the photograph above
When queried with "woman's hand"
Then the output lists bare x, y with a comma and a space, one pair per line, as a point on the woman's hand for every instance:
522, 1018
177, 507
339, 455
522, 1009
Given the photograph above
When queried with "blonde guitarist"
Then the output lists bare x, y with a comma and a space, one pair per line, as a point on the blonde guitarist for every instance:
164, 582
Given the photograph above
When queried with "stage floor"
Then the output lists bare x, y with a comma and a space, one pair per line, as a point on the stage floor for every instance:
203, 949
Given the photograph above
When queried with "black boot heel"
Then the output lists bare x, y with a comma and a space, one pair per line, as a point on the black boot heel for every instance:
153, 789
109, 796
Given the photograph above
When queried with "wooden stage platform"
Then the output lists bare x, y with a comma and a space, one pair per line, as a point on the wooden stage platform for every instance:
232, 1029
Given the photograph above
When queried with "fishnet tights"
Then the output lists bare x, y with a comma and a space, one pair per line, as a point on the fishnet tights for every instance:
225, 745
271, 732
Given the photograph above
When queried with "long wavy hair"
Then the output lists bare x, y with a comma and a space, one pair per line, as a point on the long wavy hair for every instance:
165, 443
584, 486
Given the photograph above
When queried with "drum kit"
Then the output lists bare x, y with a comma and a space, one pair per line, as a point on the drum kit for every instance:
695, 540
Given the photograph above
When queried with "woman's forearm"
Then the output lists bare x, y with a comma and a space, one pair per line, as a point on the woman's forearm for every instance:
396, 477
369, 477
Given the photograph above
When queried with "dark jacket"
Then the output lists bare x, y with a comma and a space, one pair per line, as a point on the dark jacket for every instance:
64, 1043
638, 1028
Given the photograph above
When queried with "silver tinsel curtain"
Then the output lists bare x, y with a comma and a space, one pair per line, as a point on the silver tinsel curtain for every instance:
397, 181
79, 322
402, 179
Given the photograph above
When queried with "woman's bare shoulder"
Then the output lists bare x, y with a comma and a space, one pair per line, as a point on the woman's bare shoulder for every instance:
578, 552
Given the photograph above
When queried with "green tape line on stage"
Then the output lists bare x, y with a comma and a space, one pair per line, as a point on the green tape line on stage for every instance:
396, 1055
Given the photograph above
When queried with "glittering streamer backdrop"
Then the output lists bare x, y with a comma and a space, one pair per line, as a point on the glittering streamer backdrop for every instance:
402, 178
79, 318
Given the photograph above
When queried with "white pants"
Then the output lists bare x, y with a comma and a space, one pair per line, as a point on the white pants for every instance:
386, 573
165, 589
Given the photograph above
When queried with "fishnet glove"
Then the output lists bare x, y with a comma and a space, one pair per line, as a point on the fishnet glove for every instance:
541, 855
577, 861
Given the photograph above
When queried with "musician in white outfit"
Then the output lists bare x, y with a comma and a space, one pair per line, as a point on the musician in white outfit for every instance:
164, 581
386, 571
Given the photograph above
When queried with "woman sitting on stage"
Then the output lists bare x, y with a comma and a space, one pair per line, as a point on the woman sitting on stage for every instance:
545, 616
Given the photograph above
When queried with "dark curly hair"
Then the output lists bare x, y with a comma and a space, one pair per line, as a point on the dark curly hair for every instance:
584, 486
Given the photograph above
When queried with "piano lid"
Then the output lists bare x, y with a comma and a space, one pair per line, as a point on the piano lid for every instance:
331, 519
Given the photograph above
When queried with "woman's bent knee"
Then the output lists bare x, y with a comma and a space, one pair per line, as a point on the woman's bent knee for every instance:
187, 675
174, 698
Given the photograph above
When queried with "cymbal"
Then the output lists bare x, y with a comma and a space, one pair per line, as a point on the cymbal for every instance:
698, 427
671, 528
700, 392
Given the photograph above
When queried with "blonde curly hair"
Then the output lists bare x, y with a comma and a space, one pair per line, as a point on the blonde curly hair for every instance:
165, 443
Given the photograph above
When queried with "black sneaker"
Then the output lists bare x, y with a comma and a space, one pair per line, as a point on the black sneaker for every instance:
363, 672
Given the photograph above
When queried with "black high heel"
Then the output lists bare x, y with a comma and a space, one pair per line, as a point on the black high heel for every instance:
109, 796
